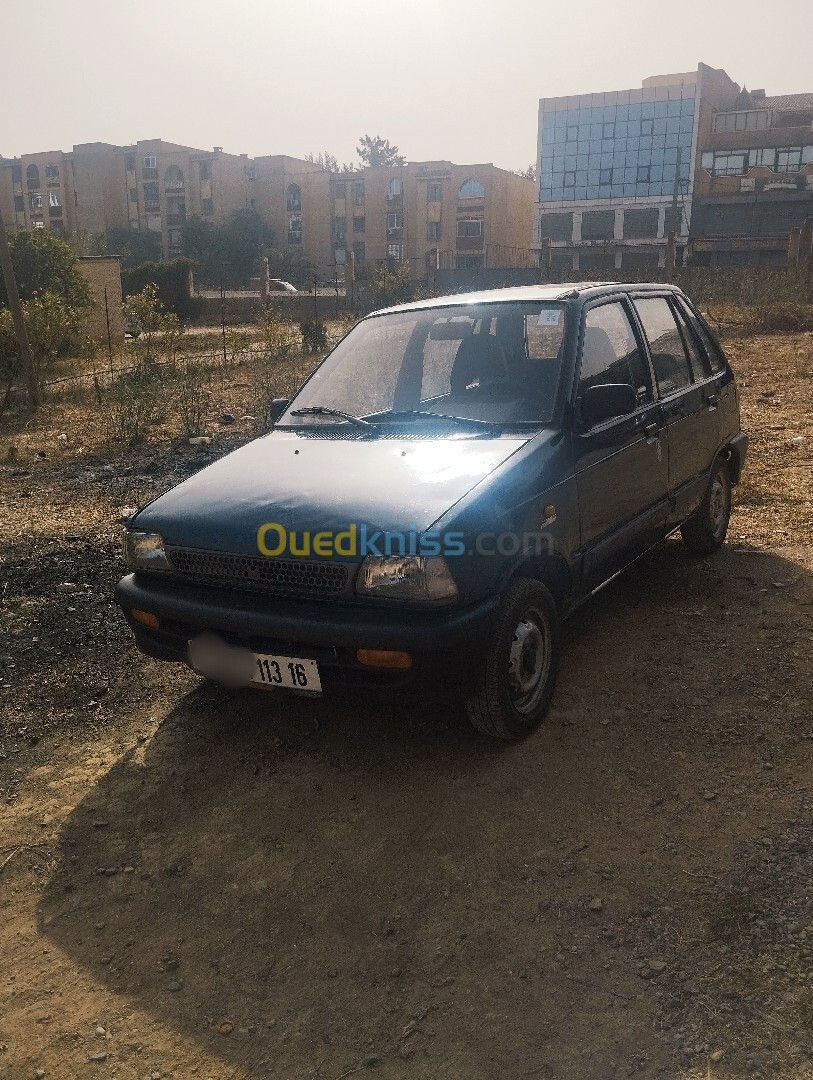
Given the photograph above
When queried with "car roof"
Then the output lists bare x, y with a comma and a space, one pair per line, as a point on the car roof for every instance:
560, 291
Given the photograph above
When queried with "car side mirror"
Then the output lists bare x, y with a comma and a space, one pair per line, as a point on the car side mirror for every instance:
607, 401
278, 407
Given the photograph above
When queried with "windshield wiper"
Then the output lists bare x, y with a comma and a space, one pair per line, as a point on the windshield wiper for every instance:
321, 410
408, 414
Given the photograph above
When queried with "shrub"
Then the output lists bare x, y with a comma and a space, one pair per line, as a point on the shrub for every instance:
191, 398
135, 401
314, 335
277, 337
172, 282
159, 331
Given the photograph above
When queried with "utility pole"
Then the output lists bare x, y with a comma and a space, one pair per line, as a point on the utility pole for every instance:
18, 320
672, 231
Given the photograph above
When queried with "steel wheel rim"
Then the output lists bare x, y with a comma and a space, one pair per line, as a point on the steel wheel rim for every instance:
529, 661
717, 506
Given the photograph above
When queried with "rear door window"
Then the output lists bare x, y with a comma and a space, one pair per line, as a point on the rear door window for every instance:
669, 359
712, 350
697, 354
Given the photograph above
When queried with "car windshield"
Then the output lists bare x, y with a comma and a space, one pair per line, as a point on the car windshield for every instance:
488, 364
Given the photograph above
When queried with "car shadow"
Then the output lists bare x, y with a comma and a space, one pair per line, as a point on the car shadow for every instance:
301, 888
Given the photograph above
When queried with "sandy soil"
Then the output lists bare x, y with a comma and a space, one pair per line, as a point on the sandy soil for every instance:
195, 883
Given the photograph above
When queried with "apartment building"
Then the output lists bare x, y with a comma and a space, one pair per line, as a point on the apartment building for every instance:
754, 185
428, 214
431, 214
37, 192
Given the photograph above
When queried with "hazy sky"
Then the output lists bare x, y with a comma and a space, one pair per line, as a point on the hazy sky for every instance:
456, 79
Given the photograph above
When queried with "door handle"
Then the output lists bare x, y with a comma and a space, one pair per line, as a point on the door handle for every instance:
650, 430
711, 401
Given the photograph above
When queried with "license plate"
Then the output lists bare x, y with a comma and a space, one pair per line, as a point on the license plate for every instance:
295, 672
233, 666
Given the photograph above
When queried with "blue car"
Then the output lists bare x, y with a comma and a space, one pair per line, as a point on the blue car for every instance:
449, 484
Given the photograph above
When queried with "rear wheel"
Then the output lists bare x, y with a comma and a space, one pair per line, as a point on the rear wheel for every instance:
515, 687
705, 531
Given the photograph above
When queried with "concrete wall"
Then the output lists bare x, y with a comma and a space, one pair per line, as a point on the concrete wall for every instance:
102, 273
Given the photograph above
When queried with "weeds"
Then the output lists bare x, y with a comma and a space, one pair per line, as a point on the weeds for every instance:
135, 400
191, 398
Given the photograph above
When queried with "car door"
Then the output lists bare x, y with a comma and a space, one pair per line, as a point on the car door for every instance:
621, 463
688, 400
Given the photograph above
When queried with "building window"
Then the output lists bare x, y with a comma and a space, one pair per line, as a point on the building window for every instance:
724, 163
19, 205
396, 187
150, 161
472, 189
36, 201
569, 179
293, 197
642, 174
433, 230
205, 170
789, 160
339, 229
743, 121
295, 229
132, 194
339, 189
359, 252
51, 172
16, 172
32, 176
469, 227
53, 198
434, 191
394, 251
129, 162
151, 191
358, 224
605, 176
647, 127
250, 172
173, 179
358, 193
572, 133
394, 221
468, 262
206, 207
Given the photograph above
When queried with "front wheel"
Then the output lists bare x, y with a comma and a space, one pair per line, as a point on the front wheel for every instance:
705, 531
515, 686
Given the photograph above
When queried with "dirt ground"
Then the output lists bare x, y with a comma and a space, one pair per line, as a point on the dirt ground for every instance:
196, 883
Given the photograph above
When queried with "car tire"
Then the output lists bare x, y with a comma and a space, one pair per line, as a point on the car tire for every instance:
514, 688
705, 531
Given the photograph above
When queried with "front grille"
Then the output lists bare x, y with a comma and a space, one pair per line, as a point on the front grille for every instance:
258, 573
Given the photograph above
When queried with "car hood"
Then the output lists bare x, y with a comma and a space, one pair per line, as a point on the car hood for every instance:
314, 484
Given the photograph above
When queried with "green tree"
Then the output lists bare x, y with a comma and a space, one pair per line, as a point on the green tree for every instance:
135, 246
228, 252
44, 263
374, 152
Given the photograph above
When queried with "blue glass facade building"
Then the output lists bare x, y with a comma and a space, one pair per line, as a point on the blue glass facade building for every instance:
625, 148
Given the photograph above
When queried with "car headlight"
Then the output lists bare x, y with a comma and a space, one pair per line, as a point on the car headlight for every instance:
406, 577
145, 551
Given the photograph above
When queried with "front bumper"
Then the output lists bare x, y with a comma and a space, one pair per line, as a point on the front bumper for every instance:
446, 644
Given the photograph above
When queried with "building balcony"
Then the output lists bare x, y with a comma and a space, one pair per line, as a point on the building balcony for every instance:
175, 221
174, 185
152, 206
